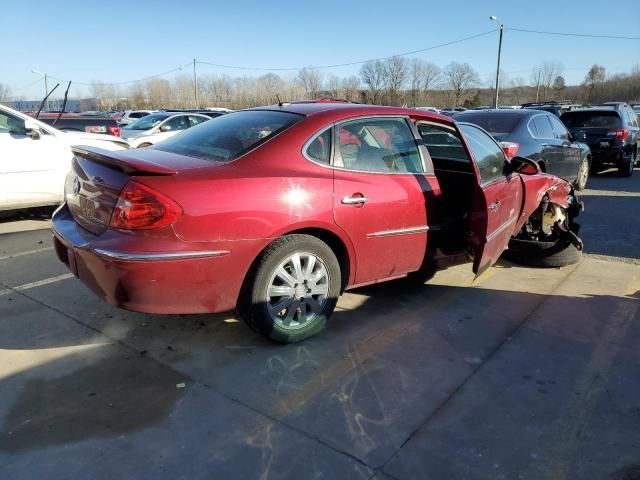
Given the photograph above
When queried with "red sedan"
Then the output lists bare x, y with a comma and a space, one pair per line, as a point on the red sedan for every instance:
277, 210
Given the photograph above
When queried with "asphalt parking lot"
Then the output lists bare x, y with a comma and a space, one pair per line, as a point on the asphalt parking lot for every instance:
524, 373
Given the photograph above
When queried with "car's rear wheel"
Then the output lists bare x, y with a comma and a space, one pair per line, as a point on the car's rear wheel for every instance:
583, 174
625, 167
292, 289
533, 253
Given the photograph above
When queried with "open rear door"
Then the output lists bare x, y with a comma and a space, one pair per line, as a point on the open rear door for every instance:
496, 202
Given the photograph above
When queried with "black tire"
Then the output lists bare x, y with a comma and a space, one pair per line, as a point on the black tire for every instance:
625, 168
583, 174
542, 254
254, 301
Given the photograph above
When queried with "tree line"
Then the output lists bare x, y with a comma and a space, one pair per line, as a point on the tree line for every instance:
394, 81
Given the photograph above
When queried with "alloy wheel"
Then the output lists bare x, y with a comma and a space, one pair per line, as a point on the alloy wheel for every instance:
297, 290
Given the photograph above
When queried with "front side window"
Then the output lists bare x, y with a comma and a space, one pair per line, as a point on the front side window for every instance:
148, 122
384, 145
229, 136
541, 127
559, 129
487, 153
11, 124
180, 122
442, 144
195, 120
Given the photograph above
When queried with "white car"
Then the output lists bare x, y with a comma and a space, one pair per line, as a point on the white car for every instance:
159, 126
35, 158
130, 116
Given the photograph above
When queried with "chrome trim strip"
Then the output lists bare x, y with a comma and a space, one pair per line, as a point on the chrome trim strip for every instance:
501, 229
399, 231
137, 257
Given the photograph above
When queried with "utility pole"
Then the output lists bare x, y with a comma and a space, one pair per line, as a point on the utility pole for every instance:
195, 83
538, 86
495, 98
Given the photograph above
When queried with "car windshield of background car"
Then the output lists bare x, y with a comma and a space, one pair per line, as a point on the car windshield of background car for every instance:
229, 136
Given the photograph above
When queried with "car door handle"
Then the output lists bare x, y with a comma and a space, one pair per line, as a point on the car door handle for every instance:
495, 205
354, 200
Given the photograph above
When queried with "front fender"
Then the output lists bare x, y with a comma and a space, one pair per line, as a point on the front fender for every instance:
535, 187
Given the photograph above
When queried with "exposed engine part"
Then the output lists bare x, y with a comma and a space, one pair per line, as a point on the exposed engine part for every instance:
553, 216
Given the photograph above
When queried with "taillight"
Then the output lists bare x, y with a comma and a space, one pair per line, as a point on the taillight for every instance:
115, 131
140, 207
620, 134
510, 149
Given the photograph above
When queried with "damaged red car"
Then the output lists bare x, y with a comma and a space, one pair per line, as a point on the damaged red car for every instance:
277, 210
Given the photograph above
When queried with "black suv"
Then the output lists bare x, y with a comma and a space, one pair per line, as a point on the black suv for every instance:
555, 107
611, 131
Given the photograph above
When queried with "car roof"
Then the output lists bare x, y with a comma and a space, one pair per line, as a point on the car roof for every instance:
347, 109
523, 112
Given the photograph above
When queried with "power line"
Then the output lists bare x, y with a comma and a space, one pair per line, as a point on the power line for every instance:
567, 34
349, 64
28, 85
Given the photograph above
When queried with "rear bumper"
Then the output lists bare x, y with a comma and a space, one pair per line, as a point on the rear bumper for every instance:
167, 281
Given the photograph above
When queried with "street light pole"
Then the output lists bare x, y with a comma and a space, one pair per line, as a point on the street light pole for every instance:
195, 83
495, 98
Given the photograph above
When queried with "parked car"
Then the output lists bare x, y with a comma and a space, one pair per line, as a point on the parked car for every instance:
277, 210
555, 107
537, 135
157, 127
428, 109
130, 116
36, 158
211, 113
612, 133
69, 122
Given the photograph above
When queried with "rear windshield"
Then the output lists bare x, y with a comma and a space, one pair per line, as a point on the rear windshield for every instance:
229, 136
147, 122
591, 120
496, 123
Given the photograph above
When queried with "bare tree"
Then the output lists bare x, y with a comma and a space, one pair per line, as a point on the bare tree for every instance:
518, 86
373, 75
333, 87
5, 92
395, 74
462, 79
311, 81
423, 76
350, 87
595, 76
548, 73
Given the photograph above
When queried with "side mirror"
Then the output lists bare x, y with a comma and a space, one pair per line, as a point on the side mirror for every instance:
166, 128
524, 166
32, 129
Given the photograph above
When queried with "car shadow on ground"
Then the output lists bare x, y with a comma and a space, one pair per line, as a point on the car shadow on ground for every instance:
394, 348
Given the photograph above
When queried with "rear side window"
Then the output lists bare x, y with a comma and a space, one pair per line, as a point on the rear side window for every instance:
384, 145
487, 153
610, 120
541, 127
229, 136
559, 129
319, 149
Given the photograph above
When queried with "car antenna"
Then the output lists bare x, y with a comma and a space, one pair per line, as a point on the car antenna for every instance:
64, 105
45, 99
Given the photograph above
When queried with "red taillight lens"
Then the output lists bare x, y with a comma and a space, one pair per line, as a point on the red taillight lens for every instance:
620, 134
140, 207
510, 149
115, 131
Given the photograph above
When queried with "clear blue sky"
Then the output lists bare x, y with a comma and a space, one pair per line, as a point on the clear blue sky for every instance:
117, 40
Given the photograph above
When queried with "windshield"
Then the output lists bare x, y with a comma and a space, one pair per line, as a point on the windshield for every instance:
145, 123
609, 120
229, 136
496, 123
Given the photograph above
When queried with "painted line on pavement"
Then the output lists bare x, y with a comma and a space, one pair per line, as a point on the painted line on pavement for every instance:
39, 283
28, 252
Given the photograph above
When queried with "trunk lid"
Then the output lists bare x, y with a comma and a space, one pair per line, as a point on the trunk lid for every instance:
97, 176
